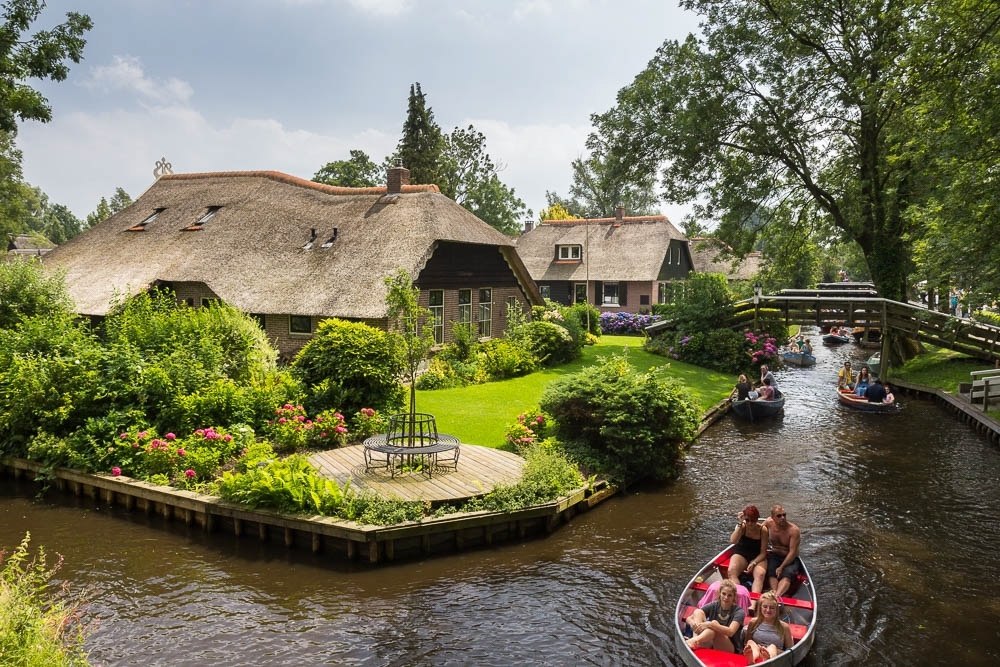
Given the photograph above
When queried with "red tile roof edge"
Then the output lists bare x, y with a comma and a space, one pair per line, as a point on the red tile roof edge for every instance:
584, 221
282, 177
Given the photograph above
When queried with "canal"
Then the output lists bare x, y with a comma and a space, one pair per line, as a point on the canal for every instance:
901, 531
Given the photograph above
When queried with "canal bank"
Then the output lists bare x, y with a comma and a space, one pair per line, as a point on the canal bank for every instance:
959, 406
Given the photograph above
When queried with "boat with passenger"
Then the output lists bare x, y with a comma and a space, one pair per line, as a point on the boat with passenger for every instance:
836, 336
753, 409
848, 398
797, 608
802, 359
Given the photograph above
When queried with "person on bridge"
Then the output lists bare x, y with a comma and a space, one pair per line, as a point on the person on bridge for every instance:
767, 635
717, 625
876, 392
782, 565
845, 377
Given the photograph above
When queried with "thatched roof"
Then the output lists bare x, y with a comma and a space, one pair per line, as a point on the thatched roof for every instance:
27, 244
626, 248
255, 252
713, 256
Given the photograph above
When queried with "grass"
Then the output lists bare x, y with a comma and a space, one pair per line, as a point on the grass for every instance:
479, 414
942, 369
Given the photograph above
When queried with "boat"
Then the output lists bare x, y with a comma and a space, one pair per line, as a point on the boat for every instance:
798, 358
850, 399
875, 364
872, 338
752, 410
798, 609
836, 338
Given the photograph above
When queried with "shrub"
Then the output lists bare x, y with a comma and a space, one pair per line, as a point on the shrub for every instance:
26, 292
225, 401
626, 323
286, 485
350, 365
440, 374
292, 430
578, 313
550, 343
702, 302
502, 358
367, 422
622, 423
987, 317
531, 427
548, 474
372, 510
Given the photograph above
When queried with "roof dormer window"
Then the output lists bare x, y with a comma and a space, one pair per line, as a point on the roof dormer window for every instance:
141, 227
569, 253
209, 214
329, 242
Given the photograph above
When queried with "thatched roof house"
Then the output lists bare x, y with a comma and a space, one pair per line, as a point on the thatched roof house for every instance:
620, 263
292, 252
713, 256
28, 245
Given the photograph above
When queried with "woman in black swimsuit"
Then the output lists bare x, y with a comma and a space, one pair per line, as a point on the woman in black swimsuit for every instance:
750, 538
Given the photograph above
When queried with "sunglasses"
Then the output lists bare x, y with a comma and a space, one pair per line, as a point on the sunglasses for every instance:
780, 516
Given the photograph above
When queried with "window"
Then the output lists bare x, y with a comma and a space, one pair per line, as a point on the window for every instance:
259, 319
580, 293
570, 252
545, 291
485, 313
141, 227
300, 324
513, 308
610, 297
436, 297
465, 307
643, 299
209, 214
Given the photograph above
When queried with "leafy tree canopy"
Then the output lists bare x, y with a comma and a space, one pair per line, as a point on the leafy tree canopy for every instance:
422, 146
106, 209
801, 110
358, 171
555, 211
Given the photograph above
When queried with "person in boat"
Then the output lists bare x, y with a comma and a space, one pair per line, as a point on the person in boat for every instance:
807, 347
766, 635
863, 380
743, 388
875, 393
765, 373
845, 376
767, 392
782, 565
750, 538
889, 398
717, 625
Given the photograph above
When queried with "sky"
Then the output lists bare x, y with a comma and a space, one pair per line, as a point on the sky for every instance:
289, 85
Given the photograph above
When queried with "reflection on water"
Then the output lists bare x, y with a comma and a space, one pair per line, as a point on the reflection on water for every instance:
899, 515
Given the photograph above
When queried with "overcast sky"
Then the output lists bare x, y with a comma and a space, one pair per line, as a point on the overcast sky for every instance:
289, 85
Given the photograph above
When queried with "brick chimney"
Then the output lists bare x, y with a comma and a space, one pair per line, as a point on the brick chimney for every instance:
529, 225
398, 177
619, 212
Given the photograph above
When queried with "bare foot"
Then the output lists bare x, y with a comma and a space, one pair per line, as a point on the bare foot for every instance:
693, 644
751, 652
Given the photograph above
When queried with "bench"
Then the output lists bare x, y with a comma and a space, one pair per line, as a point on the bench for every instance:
985, 386
395, 454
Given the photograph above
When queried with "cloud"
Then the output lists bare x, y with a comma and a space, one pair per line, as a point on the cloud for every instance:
528, 8
382, 7
126, 73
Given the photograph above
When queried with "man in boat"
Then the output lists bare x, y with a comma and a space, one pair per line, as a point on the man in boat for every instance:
845, 377
875, 393
783, 565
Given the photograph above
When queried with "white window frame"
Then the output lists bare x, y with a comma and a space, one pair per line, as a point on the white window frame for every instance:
465, 307
437, 314
607, 300
486, 312
545, 291
570, 252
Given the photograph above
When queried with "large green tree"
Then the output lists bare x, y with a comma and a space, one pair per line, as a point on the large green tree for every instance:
105, 209
358, 171
422, 146
796, 107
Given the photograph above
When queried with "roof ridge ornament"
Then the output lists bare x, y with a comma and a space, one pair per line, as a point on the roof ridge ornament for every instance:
162, 168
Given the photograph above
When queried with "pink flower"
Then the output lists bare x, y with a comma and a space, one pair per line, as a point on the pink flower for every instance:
116, 471
282, 420
368, 412
181, 452
227, 437
200, 432
288, 406
140, 434
323, 434
190, 474
341, 429
300, 418
170, 436
123, 436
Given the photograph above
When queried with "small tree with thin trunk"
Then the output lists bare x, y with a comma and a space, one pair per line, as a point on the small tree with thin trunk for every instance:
411, 323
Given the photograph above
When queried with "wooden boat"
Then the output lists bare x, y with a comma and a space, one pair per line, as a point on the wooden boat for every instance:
836, 338
752, 410
875, 364
798, 358
874, 336
798, 609
850, 399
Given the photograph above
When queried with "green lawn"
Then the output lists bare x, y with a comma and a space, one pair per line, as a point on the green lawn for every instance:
942, 369
479, 414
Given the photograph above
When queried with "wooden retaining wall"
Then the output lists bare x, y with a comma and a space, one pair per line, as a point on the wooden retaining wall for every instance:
337, 538
978, 420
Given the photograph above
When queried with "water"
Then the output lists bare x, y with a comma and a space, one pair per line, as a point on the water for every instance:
899, 515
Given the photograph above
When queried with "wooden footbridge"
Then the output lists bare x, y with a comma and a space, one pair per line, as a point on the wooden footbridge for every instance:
858, 305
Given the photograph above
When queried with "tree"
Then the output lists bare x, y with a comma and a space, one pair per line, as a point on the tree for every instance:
105, 209
422, 145
799, 108
40, 56
358, 171
412, 323
555, 210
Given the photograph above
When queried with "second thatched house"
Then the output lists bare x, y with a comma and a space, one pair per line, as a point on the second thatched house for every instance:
620, 264
292, 252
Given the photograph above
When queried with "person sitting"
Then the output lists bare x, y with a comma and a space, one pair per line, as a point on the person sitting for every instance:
845, 377
717, 625
767, 391
889, 398
767, 635
765, 374
743, 388
875, 393
807, 347
863, 380
751, 540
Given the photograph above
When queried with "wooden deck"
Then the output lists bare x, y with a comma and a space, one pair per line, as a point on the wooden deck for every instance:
479, 470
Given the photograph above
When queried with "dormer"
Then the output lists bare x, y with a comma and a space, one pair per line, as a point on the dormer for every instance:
571, 252
141, 227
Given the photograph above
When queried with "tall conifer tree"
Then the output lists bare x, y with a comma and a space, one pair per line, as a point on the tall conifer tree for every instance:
422, 146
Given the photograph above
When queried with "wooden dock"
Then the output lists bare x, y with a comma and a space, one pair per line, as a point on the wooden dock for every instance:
479, 470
